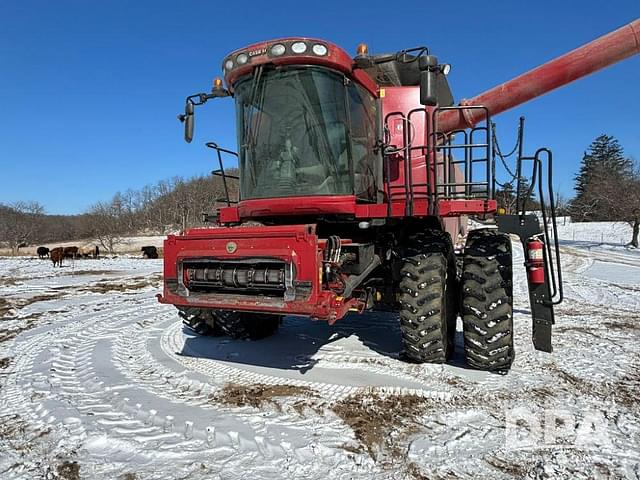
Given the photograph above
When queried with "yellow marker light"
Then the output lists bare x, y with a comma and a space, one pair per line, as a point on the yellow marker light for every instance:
217, 83
362, 49
501, 211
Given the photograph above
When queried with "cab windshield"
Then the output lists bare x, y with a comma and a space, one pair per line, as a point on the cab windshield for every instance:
295, 138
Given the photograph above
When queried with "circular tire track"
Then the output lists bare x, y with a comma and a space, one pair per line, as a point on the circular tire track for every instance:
62, 382
122, 381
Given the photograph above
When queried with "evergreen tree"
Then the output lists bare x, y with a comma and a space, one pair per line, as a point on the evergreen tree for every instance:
603, 162
608, 186
506, 196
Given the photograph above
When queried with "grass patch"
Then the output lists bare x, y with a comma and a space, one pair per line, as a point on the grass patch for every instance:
12, 426
19, 303
39, 298
137, 283
517, 468
624, 391
68, 470
5, 307
92, 272
630, 323
382, 423
258, 395
8, 282
30, 320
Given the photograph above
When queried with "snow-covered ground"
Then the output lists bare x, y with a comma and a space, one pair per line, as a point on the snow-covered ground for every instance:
609, 234
98, 380
605, 249
124, 245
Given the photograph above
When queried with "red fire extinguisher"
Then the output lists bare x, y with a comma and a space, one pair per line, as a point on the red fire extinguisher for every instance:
536, 260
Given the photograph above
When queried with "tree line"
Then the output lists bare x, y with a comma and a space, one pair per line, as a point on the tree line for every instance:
169, 205
607, 189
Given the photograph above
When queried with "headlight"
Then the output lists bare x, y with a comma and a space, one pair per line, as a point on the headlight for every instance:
228, 65
319, 49
242, 58
299, 47
277, 50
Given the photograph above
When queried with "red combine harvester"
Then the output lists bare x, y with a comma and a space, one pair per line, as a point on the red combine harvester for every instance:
357, 177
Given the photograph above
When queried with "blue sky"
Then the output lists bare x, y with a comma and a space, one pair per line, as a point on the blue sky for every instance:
89, 91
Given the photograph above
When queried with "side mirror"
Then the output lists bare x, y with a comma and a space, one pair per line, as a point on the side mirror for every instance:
428, 65
199, 99
188, 122
187, 118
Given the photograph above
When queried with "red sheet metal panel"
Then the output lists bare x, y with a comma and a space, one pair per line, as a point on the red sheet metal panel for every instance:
297, 245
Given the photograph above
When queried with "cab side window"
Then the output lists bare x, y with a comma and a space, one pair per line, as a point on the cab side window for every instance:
362, 111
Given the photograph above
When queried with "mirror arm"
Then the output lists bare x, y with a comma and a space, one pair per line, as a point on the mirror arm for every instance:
202, 98
218, 93
198, 98
194, 100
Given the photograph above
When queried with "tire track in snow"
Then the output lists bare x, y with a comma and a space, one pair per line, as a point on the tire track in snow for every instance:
72, 382
124, 386
173, 345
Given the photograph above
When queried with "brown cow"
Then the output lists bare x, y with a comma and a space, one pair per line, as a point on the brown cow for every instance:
89, 251
70, 252
56, 255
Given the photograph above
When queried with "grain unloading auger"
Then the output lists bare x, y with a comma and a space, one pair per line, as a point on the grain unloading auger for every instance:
356, 177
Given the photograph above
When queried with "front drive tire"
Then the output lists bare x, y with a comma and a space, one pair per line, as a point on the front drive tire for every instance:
428, 293
487, 301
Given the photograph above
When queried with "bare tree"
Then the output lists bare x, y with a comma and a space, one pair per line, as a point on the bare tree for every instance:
105, 222
171, 204
620, 197
19, 222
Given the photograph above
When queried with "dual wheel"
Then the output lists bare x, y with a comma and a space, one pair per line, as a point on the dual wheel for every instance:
432, 295
238, 325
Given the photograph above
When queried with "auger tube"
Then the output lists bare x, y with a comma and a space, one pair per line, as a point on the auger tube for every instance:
589, 58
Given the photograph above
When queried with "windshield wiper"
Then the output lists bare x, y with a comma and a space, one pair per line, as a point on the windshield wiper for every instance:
246, 141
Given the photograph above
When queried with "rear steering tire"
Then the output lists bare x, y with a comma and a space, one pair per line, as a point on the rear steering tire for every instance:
487, 301
200, 320
248, 326
428, 293
238, 325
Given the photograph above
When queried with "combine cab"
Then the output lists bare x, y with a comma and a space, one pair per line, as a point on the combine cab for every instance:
357, 176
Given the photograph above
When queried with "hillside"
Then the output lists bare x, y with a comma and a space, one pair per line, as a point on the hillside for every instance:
169, 205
